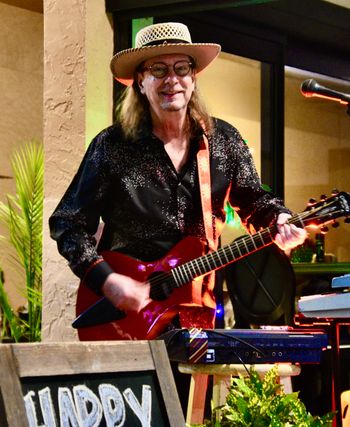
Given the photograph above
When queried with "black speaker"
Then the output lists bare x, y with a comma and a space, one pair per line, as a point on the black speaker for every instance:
261, 287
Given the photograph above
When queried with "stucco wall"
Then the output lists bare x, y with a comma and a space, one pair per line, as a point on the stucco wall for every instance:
77, 100
21, 85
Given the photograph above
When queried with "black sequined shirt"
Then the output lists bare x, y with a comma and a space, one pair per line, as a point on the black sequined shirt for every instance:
146, 206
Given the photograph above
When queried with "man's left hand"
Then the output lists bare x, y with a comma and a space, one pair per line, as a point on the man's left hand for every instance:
289, 236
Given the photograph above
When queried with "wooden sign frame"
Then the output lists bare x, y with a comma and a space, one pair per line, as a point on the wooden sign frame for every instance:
44, 360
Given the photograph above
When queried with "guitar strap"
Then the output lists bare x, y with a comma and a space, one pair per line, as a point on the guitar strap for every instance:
205, 192
203, 317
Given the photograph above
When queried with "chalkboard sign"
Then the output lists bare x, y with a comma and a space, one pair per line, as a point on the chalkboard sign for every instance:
88, 384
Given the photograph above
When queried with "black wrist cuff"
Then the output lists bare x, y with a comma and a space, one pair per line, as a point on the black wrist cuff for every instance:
97, 275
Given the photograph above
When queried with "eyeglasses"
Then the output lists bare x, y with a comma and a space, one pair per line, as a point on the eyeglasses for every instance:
160, 70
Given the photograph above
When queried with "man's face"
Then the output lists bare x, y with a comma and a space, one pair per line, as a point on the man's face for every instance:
172, 91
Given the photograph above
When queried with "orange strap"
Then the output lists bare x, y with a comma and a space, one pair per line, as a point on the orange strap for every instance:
205, 190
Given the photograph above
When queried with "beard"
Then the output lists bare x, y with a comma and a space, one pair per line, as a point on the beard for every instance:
172, 106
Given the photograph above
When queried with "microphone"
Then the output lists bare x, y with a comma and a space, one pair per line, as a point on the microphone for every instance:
310, 88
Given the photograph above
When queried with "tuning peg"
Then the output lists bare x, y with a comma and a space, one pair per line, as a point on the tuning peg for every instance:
335, 224
324, 229
323, 197
335, 191
347, 220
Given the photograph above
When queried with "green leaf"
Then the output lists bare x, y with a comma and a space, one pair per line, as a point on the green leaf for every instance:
253, 401
11, 324
23, 217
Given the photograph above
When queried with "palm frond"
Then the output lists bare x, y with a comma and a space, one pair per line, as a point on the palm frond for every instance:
10, 323
23, 216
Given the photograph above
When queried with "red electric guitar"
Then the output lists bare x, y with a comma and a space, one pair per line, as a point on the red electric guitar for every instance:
175, 276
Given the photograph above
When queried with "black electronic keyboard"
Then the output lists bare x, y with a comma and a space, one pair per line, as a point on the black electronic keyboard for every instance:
249, 346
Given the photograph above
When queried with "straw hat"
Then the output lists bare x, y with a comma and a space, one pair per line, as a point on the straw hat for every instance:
161, 39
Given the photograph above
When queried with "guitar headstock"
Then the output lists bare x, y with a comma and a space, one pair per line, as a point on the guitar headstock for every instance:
327, 210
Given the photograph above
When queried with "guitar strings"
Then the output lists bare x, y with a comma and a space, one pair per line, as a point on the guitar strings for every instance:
217, 256
240, 244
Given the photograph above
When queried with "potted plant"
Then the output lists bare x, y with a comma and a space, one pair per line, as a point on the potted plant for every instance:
253, 401
23, 217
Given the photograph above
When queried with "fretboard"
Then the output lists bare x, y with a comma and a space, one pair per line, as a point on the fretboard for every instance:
241, 247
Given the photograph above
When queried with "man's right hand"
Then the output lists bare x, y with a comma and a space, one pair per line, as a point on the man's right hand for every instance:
126, 293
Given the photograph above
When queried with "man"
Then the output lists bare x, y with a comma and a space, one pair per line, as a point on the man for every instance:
144, 179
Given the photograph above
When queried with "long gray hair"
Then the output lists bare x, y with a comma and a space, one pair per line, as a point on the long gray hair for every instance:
133, 110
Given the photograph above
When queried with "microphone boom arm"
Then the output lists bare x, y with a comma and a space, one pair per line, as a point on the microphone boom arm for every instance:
310, 88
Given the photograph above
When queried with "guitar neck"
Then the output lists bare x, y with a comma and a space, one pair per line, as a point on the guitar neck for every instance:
240, 248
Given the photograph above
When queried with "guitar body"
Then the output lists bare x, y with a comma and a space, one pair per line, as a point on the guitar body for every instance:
181, 270
153, 319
